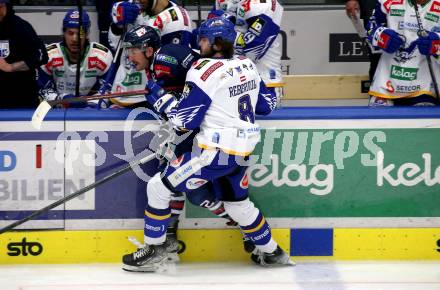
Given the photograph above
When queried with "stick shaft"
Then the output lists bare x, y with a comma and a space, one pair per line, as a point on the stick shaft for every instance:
78, 193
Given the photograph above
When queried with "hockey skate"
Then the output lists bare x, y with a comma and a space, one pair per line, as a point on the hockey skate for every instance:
172, 246
150, 258
277, 258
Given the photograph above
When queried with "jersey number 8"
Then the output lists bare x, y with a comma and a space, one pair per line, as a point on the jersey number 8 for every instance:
245, 109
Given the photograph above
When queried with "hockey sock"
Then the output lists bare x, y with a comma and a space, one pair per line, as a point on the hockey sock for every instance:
259, 233
156, 223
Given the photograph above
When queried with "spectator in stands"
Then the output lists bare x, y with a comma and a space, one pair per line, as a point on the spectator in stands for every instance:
21, 52
365, 8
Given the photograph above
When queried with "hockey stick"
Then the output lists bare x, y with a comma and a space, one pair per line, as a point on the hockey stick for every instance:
45, 106
79, 192
423, 33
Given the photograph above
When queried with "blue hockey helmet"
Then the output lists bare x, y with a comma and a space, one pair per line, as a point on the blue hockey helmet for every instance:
142, 37
71, 20
217, 27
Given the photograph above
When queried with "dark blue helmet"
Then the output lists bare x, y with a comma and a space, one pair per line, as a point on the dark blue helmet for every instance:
217, 27
71, 20
142, 37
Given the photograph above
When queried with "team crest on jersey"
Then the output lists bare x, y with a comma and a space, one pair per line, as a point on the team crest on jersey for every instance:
4, 48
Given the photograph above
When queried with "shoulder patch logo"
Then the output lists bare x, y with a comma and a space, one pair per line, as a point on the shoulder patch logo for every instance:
94, 62
201, 64
210, 70
173, 14
100, 47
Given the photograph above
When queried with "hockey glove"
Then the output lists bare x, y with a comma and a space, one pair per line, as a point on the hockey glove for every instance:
124, 13
388, 40
429, 44
158, 97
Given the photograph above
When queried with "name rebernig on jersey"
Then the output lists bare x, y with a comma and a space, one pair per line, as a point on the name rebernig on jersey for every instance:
240, 89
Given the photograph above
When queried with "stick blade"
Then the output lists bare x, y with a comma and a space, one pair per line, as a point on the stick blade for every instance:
39, 114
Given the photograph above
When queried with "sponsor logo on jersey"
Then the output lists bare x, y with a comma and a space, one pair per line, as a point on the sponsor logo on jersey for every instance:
194, 183
210, 70
244, 183
257, 26
397, 12
161, 70
166, 58
389, 87
403, 73
435, 7
59, 73
242, 78
387, 4
201, 64
188, 59
246, 5
158, 23
4, 48
56, 62
408, 89
91, 73
274, 5
242, 88
432, 17
94, 62
132, 79
412, 26
173, 14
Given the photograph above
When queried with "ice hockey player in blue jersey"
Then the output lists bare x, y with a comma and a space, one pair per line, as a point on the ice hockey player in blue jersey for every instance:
260, 23
168, 65
57, 78
173, 23
221, 97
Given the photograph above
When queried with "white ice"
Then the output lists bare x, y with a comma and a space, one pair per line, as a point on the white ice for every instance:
214, 276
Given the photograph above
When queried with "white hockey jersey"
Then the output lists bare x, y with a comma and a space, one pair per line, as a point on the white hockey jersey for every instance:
221, 97
404, 73
58, 77
260, 22
174, 26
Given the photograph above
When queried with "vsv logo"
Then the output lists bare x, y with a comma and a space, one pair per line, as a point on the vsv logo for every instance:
8, 160
24, 248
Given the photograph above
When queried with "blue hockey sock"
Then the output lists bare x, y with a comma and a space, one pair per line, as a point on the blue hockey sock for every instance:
156, 223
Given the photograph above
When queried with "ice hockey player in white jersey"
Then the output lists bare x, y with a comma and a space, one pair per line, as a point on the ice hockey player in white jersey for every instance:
260, 23
173, 23
222, 95
57, 78
402, 76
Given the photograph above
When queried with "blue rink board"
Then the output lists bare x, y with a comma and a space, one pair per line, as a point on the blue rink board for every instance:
124, 196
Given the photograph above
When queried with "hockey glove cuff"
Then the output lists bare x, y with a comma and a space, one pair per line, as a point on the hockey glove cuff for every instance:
124, 13
388, 40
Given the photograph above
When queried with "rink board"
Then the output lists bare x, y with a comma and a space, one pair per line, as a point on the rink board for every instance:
223, 245
315, 179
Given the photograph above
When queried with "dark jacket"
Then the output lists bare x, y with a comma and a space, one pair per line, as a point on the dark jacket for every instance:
19, 89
